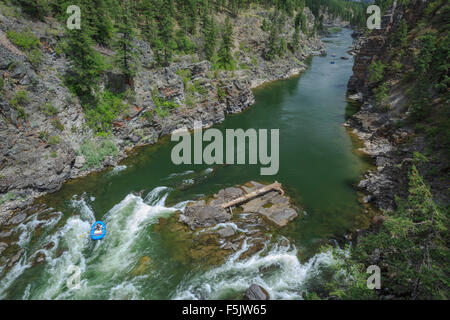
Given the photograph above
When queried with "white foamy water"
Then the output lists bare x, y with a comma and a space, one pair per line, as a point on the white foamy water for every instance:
224, 225
179, 174
285, 282
116, 170
106, 266
109, 260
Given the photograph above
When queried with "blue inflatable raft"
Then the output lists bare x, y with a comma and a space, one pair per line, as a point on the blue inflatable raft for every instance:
98, 230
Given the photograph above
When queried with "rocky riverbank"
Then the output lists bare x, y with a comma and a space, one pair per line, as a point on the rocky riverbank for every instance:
44, 136
389, 138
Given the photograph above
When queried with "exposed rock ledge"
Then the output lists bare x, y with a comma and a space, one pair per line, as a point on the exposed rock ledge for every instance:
272, 206
205, 234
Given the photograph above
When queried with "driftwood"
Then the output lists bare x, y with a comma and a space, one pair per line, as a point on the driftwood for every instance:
274, 186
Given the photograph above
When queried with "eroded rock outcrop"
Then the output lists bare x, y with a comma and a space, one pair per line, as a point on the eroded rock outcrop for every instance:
273, 206
205, 232
388, 131
256, 292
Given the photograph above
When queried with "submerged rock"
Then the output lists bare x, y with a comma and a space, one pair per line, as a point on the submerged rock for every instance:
256, 292
15, 258
18, 218
40, 258
3, 247
226, 232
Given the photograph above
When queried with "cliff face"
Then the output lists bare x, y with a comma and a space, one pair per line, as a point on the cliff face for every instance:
388, 129
44, 135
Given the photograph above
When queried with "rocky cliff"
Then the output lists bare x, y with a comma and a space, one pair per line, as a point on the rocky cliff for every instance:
388, 129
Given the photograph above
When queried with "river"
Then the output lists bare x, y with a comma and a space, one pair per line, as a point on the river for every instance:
318, 167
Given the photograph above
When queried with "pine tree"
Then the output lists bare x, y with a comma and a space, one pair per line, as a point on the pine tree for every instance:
272, 44
282, 49
225, 58
149, 26
210, 36
412, 244
402, 32
165, 43
86, 65
97, 15
295, 43
125, 50
35, 8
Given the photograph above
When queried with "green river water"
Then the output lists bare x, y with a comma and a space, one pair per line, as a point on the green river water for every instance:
318, 166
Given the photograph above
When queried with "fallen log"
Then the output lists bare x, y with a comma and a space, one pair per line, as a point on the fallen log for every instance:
274, 186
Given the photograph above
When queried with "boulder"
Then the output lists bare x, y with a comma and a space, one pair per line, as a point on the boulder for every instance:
15, 258
16, 219
40, 257
79, 162
226, 232
5, 234
198, 215
3, 247
256, 292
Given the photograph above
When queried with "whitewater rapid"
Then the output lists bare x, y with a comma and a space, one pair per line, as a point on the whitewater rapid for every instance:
106, 267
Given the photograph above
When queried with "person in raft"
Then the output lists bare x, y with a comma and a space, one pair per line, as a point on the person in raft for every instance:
98, 229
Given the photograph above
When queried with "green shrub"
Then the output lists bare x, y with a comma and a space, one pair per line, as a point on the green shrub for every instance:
101, 116
161, 112
43, 135
163, 106
397, 66
35, 57
96, 151
184, 45
54, 140
376, 70
29, 43
49, 109
25, 40
221, 93
413, 252
244, 66
189, 100
7, 197
381, 95
185, 75
57, 124
148, 115
20, 99
402, 33
21, 113
199, 88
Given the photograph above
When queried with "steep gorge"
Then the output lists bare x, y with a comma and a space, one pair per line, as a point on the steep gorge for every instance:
45, 136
